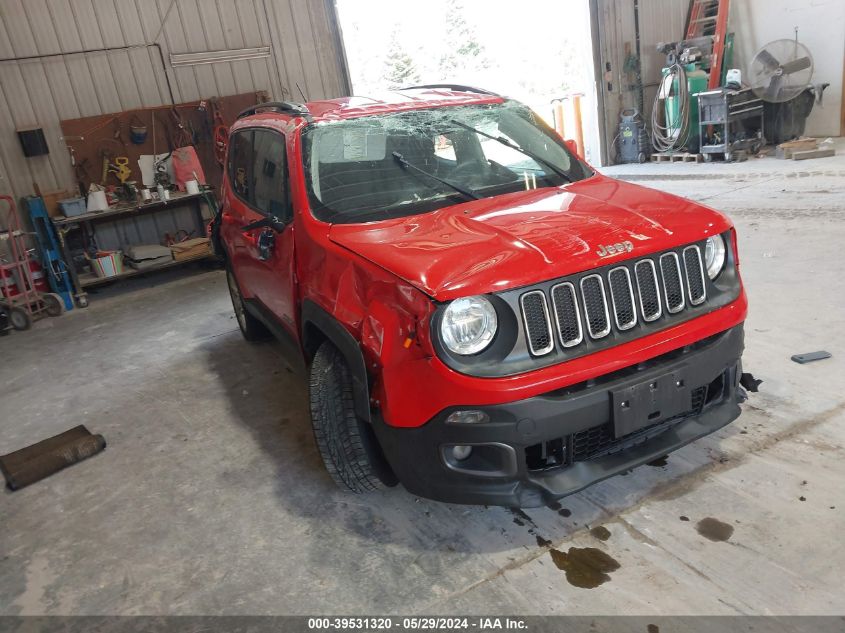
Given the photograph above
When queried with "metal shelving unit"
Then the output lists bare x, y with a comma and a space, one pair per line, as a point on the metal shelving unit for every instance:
720, 127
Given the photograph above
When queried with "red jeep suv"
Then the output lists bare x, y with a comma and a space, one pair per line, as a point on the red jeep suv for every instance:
481, 316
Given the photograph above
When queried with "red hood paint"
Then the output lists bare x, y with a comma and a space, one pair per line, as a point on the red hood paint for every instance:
522, 238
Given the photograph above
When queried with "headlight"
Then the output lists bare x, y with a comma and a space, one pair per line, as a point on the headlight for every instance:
468, 325
714, 255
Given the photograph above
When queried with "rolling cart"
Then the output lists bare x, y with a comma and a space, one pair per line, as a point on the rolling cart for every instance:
28, 303
720, 125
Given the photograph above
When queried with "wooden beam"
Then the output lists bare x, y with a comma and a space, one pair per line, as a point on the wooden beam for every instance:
813, 153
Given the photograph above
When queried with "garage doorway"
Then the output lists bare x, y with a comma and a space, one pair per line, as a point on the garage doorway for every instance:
536, 53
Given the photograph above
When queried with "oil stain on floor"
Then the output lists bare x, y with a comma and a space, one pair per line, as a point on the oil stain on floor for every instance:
585, 567
714, 529
600, 532
564, 512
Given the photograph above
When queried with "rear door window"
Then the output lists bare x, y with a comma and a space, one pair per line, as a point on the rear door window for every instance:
240, 164
269, 168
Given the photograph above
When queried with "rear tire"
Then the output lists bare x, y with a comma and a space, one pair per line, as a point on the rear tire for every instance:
346, 443
251, 328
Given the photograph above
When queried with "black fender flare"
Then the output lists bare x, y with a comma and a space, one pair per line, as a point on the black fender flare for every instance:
333, 330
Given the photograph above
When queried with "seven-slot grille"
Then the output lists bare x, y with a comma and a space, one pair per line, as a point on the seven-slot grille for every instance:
618, 298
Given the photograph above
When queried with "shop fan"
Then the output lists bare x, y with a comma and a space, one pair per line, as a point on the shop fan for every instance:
781, 70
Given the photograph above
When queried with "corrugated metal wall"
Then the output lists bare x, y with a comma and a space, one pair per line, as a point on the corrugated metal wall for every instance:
660, 21
303, 36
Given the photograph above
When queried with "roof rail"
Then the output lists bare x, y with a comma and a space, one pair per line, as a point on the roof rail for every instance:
455, 87
286, 107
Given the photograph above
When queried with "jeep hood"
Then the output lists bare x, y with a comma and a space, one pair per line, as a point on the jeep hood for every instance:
522, 238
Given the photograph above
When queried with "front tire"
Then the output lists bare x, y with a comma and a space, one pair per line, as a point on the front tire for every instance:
346, 443
251, 328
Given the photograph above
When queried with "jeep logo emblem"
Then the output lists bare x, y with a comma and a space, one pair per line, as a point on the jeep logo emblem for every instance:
606, 250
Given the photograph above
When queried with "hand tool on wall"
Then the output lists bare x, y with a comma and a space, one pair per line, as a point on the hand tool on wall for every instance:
221, 132
118, 131
182, 137
106, 159
120, 168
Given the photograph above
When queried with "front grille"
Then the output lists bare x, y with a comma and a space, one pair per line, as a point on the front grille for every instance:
567, 315
595, 306
622, 296
600, 440
629, 297
535, 314
695, 274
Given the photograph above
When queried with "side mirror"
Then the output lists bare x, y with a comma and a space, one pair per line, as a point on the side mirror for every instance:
266, 243
572, 146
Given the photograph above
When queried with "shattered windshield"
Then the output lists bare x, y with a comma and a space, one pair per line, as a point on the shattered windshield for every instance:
398, 164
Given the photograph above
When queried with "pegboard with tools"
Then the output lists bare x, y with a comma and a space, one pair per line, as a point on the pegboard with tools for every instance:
105, 149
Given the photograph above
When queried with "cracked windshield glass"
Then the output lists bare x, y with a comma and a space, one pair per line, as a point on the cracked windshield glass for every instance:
380, 167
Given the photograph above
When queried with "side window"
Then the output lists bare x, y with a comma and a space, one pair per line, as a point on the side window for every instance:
240, 164
270, 174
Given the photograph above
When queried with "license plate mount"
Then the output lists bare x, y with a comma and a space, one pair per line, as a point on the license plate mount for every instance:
649, 402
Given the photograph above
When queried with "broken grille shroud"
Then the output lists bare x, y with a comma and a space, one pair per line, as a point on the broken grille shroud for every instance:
642, 289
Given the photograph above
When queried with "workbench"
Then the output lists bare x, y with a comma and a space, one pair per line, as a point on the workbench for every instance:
124, 218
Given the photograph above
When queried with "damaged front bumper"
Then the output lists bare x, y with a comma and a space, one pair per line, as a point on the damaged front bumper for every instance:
531, 452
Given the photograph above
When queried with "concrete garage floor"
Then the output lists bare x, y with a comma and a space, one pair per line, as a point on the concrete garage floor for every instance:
211, 498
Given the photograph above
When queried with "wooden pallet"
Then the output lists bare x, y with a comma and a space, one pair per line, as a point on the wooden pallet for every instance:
672, 157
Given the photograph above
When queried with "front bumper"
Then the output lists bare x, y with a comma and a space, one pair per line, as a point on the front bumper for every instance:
536, 450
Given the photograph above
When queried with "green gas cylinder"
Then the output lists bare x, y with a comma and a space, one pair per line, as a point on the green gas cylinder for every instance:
696, 82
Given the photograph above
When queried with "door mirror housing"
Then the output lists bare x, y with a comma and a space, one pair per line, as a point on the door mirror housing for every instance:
267, 222
266, 243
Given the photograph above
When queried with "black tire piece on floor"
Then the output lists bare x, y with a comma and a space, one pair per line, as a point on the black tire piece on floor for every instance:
251, 328
346, 443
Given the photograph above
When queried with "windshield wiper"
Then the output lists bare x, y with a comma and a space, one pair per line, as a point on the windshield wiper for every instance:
464, 192
514, 146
